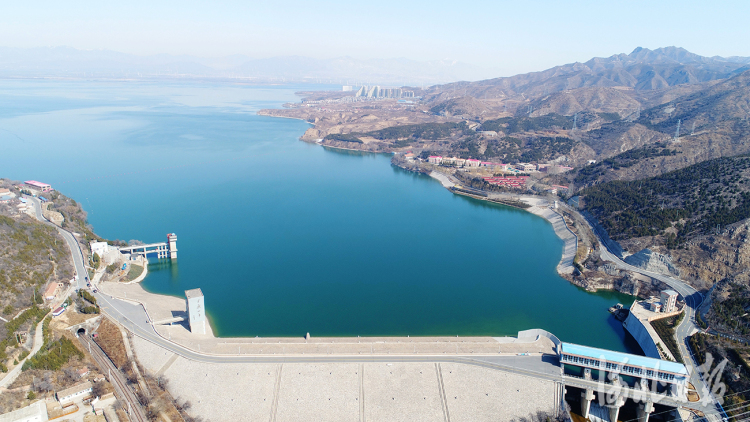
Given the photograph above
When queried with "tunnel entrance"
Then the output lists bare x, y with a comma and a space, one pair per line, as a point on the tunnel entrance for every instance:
81, 331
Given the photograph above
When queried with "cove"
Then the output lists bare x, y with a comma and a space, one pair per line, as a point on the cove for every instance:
285, 237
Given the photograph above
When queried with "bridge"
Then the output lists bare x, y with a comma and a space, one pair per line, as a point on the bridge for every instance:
166, 249
170, 321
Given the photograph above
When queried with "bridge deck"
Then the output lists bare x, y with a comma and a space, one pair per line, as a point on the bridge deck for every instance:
150, 245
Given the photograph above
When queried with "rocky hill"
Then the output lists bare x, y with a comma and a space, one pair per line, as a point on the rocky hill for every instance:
642, 69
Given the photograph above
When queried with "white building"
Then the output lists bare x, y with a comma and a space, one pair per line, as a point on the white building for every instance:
472, 162
668, 300
435, 159
525, 167
76, 392
36, 412
99, 248
196, 311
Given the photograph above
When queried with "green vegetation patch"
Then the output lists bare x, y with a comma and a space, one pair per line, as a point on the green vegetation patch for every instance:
707, 196
343, 138
544, 148
665, 329
134, 272
593, 172
528, 124
730, 314
89, 306
54, 356
29, 317
428, 131
609, 116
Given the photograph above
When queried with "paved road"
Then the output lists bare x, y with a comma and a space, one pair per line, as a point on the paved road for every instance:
75, 248
16, 371
688, 326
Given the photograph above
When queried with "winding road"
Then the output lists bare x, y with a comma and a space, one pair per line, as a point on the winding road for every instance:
688, 326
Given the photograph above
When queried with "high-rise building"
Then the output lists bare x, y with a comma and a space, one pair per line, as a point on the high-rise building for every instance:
668, 300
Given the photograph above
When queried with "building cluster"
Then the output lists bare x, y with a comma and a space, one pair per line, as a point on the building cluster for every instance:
17, 204
465, 162
512, 168
377, 91
517, 182
69, 403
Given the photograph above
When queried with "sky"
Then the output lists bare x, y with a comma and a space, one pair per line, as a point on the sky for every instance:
508, 36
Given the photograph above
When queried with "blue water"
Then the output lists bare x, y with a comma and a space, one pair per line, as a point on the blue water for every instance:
285, 237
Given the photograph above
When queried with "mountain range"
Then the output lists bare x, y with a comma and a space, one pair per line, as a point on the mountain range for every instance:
75, 63
642, 69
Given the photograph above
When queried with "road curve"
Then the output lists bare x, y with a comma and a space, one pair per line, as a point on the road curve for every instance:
688, 326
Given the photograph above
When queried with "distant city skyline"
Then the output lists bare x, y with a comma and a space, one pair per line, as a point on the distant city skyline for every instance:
506, 37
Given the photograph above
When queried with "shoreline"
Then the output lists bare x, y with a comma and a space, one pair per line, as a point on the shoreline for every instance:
159, 306
561, 229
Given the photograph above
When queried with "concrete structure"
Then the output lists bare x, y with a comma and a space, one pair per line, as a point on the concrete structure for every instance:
472, 162
668, 300
172, 240
38, 185
655, 307
77, 392
498, 166
166, 249
36, 412
435, 159
525, 167
601, 362
196, 311
646, 374
640, 328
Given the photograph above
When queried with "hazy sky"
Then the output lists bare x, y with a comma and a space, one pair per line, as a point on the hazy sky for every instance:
511, 36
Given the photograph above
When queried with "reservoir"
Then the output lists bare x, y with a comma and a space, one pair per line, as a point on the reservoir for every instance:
285, 237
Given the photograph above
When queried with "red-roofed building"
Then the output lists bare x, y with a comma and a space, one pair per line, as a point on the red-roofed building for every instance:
38, 185
49, 294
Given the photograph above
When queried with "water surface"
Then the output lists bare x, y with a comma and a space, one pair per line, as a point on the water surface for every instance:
285, 237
